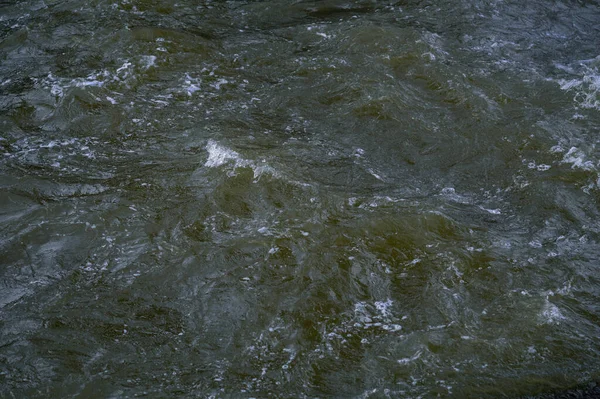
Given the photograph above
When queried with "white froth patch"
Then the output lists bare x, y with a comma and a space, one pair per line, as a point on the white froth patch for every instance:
370, 320
564, 290
219, 155
384, 308
586, 88
362, 314
55, 88
92, 80
450, 193
535, 244
550, 313
379, 317
191, 85
148, 61
124, 74
36, 151
217, 85
577, 159
541, 167
569, 84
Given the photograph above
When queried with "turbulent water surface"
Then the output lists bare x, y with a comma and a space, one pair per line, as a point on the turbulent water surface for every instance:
296, 199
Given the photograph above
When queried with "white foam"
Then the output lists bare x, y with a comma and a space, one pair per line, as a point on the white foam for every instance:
565, 290
360, 309
535, 244
55, 88
569, 84
192, 85
450, 193
219, 155
384, 308
576, 158
149, 61
586, 87
550, 313
101, 78
217, 85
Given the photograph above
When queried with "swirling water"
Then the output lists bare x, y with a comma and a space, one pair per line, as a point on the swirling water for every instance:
293, 199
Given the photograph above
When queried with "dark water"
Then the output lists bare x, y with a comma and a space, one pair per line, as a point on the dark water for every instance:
235, 199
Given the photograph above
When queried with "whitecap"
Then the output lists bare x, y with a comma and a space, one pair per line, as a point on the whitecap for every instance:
219, 155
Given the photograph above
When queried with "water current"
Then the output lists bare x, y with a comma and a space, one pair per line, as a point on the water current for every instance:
299, 199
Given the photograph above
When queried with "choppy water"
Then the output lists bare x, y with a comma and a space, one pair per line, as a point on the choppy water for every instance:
295, 199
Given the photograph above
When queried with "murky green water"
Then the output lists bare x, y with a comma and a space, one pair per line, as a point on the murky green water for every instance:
289, 199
